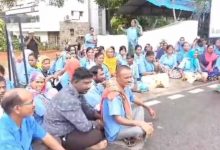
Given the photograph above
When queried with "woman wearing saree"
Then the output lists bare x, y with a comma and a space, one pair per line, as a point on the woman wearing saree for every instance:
99, 59
208, 63
168, 63
88, 61
191, 68
133, 33
42, 94
110, 60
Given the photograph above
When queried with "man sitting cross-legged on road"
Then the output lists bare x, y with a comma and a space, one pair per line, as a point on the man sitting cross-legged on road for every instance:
72, 119
123, 120
17, 126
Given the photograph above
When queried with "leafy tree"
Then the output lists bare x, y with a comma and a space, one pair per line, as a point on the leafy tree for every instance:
2, 36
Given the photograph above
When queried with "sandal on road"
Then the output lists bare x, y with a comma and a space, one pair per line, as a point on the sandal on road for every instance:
130, 142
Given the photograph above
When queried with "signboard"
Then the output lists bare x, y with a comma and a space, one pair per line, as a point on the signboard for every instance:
214, 28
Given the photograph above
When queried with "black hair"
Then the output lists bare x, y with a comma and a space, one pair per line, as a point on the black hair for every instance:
199, 41
210, 45
122, 48
149, 53
91, 28
98, 54
128, 56
112, 47
101, 48
88, 49
121, 68
2, 69
137, 46
9, 101
32, 54
169, 46
81, 74
94, 70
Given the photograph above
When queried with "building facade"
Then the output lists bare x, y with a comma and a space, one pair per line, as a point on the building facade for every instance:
55, 25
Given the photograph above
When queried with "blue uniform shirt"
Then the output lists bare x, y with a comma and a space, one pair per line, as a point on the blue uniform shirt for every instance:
168, 61
94, 95
146, 67
187, 66
106, 72
181, 55
65, 80
217, 51
14, 138
89, 39
112, 108
9, 84
121, 60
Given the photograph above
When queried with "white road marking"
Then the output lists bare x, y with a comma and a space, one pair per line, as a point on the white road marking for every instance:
153, 102
213, 86
173, 97
196, 91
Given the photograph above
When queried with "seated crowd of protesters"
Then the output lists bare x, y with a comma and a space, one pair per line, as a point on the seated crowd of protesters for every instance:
85, 99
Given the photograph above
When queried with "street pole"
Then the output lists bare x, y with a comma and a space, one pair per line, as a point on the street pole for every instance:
22, 49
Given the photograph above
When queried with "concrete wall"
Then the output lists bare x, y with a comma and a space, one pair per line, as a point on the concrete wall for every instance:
170, 33
80, 29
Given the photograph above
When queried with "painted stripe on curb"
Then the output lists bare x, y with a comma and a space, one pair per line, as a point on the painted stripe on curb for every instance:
196, 91
153, 102
176, 96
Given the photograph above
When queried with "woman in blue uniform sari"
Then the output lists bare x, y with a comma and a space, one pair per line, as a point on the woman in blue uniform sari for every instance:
133, 33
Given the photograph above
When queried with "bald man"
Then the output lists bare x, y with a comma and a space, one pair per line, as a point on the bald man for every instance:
17, 126
123, 118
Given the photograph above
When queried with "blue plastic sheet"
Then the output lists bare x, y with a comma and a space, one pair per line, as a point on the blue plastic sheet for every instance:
185, 5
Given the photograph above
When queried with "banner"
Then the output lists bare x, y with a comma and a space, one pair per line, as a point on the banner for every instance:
214, 27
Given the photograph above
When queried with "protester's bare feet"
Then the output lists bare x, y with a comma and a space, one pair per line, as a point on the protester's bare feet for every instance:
100, 146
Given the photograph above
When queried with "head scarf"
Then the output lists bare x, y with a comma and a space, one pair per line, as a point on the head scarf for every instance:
71, 66
111, 63
210, 58
33, 77
193, 59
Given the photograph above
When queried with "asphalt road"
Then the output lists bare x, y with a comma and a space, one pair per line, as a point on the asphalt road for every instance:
191, 122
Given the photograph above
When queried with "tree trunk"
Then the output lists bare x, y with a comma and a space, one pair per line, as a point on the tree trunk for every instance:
174, 11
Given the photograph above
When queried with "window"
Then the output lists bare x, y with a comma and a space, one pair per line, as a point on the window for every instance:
71, 32
72, 13
81, 13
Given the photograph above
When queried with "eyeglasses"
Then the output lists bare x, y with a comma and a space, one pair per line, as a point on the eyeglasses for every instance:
27, 103
68, 57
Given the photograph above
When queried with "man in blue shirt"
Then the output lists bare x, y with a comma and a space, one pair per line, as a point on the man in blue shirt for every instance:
94, 95
121, 121
90, 39
17, 126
